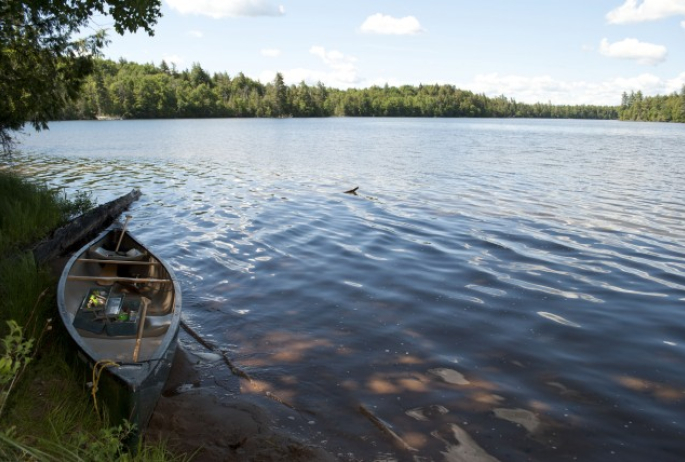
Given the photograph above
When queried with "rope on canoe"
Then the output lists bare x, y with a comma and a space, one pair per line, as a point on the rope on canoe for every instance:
97, 372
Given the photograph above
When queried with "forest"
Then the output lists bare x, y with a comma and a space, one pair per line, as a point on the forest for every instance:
635, 106
141, 91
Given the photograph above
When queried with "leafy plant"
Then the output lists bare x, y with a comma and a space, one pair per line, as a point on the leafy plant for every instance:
108, 445
15, 357
79, 203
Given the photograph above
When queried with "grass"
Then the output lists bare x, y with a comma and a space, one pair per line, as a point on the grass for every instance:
48, 414
29, 210
21, 286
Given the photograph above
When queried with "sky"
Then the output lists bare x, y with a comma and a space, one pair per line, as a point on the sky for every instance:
558, 51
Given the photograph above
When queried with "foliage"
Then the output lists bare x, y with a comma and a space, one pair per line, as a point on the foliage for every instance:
669, 108
51, 417
42, 66
24, 289
129, 90
108, 445
105, 445
15, 357
29, 210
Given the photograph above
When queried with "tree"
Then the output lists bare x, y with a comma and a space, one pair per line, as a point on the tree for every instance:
42, 65
199, 76
277, 97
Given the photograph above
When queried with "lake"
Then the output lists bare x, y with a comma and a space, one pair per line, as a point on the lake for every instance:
497, 289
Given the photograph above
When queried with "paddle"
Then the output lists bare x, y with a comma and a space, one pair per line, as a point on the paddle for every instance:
109, 270
123, 230
141, 327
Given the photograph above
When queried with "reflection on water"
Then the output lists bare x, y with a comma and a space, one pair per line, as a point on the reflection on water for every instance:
495, 290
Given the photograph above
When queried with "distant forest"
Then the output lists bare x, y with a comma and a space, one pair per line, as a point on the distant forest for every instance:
144, 91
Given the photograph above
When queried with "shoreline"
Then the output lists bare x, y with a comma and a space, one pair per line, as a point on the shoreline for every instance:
193, 420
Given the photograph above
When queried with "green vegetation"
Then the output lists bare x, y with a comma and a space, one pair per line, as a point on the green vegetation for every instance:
140, 91
45, 412
29, 211
42, 66
653, 108
15, 358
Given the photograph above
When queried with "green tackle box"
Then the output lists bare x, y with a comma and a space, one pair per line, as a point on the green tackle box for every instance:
116, 315
90, 315
126, 321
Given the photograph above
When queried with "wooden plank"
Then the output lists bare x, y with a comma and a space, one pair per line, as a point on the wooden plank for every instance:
118, 262
115, 279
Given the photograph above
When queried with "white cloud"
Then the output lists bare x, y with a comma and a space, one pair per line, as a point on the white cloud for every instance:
630, 48
271, 52
523, 89
545, 89
226, 8
383, 24
674, 85
195, 33
648, 10
341, 71
175, 59
342, 68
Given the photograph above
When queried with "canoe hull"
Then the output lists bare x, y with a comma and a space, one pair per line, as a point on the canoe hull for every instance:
125, 398
128, 364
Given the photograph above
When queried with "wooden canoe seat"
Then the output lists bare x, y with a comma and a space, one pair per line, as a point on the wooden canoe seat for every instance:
103, 254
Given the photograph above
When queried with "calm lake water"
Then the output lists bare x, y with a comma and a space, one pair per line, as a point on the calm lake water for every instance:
498, 289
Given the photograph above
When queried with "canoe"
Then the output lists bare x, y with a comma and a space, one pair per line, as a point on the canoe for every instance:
122, 309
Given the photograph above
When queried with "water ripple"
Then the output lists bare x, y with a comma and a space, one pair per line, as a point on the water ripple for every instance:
501, 277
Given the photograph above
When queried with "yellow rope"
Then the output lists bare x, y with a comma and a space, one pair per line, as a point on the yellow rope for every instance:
97, 372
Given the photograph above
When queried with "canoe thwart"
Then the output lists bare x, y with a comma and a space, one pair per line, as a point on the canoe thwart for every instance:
116, 279
118, 262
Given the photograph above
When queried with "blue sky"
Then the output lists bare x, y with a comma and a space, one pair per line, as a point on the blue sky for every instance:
563, 51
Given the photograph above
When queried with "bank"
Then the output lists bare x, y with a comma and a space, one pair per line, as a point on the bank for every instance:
46, 413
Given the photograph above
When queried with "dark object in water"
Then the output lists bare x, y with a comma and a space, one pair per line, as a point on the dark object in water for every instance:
352, 191
123, 311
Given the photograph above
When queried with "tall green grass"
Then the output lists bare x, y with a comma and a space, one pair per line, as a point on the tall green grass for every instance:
26, 293
29, 210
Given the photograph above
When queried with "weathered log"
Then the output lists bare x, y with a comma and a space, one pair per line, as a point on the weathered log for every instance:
82, 228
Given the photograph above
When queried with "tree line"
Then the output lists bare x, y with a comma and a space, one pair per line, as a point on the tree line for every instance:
635, 106
123, 89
